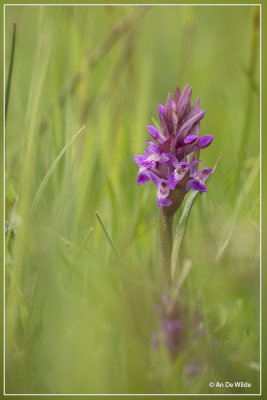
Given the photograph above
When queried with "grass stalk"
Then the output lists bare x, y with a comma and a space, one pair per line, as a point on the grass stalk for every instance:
15, 292
10, 70
251, 73
97, 54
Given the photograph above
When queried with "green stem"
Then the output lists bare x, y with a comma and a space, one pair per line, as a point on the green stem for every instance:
252, 68
166, 244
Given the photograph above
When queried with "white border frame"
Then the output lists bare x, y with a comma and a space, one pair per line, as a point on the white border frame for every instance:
129, 394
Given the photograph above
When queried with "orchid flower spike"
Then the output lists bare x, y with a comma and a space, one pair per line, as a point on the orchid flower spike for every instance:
165, 160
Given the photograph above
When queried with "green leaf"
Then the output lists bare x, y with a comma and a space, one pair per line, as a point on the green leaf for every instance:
180, 231
181, 228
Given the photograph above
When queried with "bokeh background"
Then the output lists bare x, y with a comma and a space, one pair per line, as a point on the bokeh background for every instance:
81, 288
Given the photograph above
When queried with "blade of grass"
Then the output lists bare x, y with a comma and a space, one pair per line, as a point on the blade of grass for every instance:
38, 74
73, 249
246, 189
251, 72
52, 168
113, 80
10, 69
90, 231
103, 226
177, 287
97, 54
181, 228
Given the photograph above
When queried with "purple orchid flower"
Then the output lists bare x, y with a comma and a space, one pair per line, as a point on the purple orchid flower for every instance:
197, 178
165, 162
153, 154
163, 190
180, 170
171, 328
174, 325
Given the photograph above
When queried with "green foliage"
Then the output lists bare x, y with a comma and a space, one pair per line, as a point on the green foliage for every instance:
80, 292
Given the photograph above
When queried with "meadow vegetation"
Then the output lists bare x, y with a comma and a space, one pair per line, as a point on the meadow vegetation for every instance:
83, 269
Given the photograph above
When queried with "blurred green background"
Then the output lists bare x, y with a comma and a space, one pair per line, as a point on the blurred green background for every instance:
79, 315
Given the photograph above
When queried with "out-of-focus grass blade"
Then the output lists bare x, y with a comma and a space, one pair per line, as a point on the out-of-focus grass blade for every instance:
38, 74
255, 34
103, 226
254, 85
102, 98
98, 53
180, 230
85, 240
70, 250
51, 169
246, 188
177, 287
10, 69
